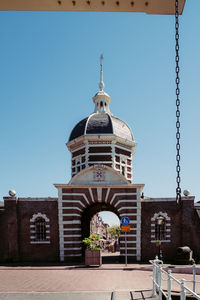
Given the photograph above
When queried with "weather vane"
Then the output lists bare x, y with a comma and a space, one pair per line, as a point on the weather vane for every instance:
101, 61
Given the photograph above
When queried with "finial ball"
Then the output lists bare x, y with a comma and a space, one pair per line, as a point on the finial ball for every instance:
12, 193
186, 193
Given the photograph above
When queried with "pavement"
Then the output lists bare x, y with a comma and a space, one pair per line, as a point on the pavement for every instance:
71, 282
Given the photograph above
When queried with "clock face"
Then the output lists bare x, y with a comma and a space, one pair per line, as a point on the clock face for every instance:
99, 174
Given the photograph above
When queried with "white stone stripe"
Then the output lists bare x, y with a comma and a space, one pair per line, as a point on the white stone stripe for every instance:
40, 242
73, 201
128, 214
163, 241
73, 248
71, 229
123, 235
72, 222
77, 149
77, 194
91, 194
71, 215
129, 248
121, 194
124, 200
128, 242
107, 193
127, 207
99, 194
71, 235
73, 242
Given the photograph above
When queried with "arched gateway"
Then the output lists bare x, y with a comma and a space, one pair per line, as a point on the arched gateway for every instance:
102, 147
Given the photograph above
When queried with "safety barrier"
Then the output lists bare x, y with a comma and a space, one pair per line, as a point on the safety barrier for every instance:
158, 282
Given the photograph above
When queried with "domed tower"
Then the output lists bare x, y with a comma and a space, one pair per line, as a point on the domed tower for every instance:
102, 139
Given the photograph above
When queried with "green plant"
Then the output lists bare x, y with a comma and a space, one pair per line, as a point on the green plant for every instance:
114, 231
91, 242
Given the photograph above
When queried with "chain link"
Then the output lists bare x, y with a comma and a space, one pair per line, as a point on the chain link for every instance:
178, 157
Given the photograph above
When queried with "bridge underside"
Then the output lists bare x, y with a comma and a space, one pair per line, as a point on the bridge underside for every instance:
145, 6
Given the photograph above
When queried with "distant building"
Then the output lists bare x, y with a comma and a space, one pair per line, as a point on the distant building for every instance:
98, 226
52, 229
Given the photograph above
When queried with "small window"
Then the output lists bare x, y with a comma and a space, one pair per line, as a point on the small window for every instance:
123, 170
160, 228
40, 229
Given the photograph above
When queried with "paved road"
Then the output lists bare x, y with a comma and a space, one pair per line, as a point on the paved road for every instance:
65, 281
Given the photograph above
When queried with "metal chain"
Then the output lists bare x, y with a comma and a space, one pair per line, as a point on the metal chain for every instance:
178, 178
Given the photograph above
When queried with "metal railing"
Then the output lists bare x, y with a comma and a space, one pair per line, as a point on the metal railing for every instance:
158, 282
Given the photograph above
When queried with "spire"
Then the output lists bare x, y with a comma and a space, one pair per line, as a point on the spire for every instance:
101, 99
101, 84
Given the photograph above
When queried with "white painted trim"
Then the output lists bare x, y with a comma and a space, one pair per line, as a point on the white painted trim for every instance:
128, 242
39, 215
107, 193
76, 194
127, 207
128, 214
72, 242
71, 229
71, 235
40, 242
72, 222
61, 238
160, 213
129, 248
121, 194
99, 194
77, 149
128, 200
162, 241
131, 235
71, 215
91, 194
72, 248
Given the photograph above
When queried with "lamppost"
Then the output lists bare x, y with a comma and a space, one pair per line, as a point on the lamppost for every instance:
160, 223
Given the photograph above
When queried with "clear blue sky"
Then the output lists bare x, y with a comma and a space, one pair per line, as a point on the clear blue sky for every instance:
50, 72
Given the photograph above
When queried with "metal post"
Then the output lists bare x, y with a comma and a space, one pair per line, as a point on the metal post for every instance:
169, 285
194, 278
183, 293
125, 250
154, 279
160, 282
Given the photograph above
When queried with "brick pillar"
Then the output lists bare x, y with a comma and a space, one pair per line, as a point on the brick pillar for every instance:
12, 228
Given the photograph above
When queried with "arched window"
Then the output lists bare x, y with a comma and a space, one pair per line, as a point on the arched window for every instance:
161, 227
39, 229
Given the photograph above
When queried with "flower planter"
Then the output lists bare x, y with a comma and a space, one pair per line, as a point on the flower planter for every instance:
93, 258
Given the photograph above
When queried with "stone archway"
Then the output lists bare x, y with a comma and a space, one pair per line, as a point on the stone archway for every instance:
79, 198
87, 215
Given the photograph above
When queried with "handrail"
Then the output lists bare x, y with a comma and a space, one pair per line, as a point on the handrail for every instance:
157, 282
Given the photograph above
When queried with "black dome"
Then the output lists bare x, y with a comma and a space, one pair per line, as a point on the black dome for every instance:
101, 123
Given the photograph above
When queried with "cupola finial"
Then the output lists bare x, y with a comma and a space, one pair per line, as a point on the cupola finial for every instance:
101, 84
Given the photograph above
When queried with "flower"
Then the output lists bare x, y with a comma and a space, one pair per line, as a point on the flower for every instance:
91, 242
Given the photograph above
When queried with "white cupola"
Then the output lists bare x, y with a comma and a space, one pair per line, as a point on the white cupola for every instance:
101, 99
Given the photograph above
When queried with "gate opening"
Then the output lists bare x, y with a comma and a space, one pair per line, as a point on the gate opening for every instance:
102, 219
